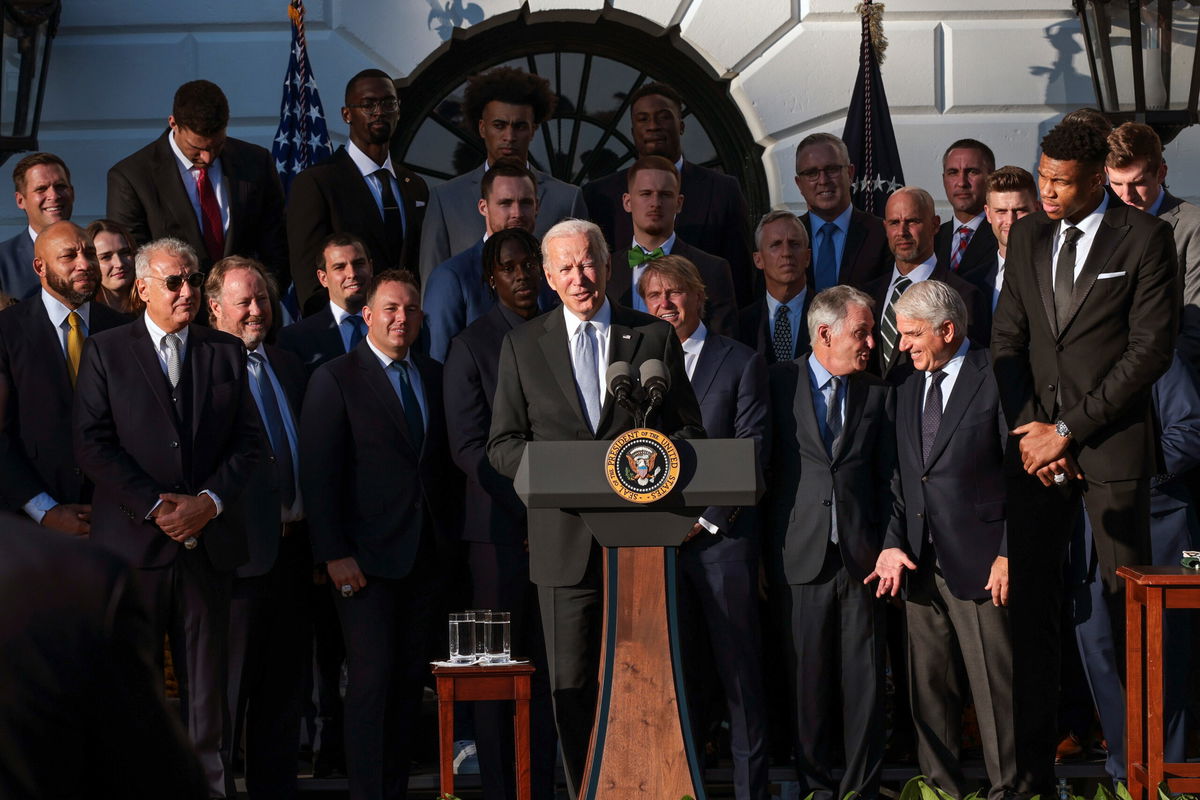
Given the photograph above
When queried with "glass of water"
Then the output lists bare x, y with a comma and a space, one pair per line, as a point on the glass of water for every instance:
499, 637
462, 637
481, 616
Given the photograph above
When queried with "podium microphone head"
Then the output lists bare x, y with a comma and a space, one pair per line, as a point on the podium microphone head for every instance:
655, 375
620, 377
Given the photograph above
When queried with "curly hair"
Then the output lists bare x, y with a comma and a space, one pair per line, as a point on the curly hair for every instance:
201, 107
508, 85
1076, 141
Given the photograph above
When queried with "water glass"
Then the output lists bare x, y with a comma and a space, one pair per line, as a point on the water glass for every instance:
462, 637
499, 637
480, 615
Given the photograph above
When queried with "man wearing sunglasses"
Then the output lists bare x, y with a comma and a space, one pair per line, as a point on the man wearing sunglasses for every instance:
359, 190
166, 428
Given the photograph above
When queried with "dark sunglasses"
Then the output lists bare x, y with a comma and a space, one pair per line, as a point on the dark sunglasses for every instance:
175, 282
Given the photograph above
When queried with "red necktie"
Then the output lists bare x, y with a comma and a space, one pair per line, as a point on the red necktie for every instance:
210, 217
964, 239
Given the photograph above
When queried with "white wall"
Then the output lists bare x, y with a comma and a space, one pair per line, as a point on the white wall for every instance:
1000, 73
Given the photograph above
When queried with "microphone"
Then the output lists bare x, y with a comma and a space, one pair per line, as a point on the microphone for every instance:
655, 381
622, 381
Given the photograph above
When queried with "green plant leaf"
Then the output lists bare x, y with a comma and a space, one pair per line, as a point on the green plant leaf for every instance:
1102, 792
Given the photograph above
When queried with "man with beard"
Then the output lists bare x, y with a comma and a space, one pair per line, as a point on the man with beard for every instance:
44, 192
358, 190
41, 341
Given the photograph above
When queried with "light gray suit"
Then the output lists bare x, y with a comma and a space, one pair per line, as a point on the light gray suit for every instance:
453, 222
1184, 219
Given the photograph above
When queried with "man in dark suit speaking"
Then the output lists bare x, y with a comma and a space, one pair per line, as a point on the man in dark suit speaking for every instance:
552, 388
1085, 325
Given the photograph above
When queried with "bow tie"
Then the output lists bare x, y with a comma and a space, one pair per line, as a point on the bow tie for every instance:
638, 256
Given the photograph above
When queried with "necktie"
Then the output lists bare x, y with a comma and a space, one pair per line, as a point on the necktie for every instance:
583, 357
74, 344
826, 258
888, 333
964, 239
393, 222
174, 345
783, 334
931, 417
1064, 276
276, 432
357, 331
210, 217
638, 256
833, 416
412, 408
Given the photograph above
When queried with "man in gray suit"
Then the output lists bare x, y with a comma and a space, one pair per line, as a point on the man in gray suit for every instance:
1138, 174
44, 192
506, 105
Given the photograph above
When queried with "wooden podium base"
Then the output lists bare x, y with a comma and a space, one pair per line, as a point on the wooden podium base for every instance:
641, 742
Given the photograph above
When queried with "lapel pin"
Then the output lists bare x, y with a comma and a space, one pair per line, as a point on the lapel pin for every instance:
625, 336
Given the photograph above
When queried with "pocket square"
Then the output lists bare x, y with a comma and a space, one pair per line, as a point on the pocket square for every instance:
1104, 275
419, 203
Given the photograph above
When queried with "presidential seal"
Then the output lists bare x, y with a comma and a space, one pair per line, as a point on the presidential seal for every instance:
642, 465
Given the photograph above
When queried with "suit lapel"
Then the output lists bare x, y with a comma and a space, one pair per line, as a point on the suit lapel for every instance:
805, 411
144, 353
712, 356
171, 189
966, 385
623, 344
46, 340
1108, 237
856, 234
199, 361
856, 400
908, 418
360, 203
558, 358
1043, 269
620, 280
382, 387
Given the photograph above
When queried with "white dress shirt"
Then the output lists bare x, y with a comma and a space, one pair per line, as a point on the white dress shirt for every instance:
414, 377
602, 322
189, 173
1089, 226
367, 168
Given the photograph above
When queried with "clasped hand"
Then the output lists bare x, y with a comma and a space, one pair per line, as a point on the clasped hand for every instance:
181, 516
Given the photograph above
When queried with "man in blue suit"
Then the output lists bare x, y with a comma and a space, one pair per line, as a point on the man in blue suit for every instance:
44, 192
718, 588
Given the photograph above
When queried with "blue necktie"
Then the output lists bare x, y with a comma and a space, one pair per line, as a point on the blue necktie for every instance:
412, 409
826, 258
357, 330
276, 432
583, 357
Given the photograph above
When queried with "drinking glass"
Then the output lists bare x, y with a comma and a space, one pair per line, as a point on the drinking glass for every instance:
462, 637
499, 641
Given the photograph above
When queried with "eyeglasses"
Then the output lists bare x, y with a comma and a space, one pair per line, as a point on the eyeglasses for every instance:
830, 172
175, 282
388, 105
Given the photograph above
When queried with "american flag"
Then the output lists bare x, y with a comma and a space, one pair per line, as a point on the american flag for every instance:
302, 138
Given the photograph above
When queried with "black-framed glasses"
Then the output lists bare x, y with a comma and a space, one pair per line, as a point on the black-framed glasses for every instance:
830, 172
388, 105
175, 282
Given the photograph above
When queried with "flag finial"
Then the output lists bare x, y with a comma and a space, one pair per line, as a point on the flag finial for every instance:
872, 14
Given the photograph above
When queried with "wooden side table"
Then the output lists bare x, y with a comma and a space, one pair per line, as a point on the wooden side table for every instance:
1149, 591
483, 682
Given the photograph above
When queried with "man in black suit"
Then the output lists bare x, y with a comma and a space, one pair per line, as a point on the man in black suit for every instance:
494, 530
834, 497
219, 194
43, 190
344, 269
950, 441
41, 341
378, 488
718, 564
1086, 323
714, 218
165, 428
965, 243
1011, 195
849, 246
81, 714
653, 203
359, 190
774, 326
269, 650
911, 222
558, 362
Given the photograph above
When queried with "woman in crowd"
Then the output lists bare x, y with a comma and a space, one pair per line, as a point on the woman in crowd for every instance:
114, 251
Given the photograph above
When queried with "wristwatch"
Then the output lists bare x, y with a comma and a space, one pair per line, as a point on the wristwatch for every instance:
1062, 430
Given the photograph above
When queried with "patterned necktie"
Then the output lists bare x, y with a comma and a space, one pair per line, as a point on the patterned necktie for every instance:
583, 358
74, 344
833, 416
1064, 276
412, 408
782, 339
826, 267
931, 417
276, 432
638, 256
210, 217
393, 222
174, 346
357, 330
964, 239
888, 333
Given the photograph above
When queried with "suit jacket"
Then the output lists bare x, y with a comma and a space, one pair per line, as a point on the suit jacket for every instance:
720, 309
1184, 219
866, 255
979, 321
36, 451
17, 278
754, 329
714, 218
455, 296
1096, 374
453, 222
147, 196
730, 383
129, 439
314, 339
368, 493
862, 475
81, 709
332, 197
536, 400
980, 249
493, 511
958, 495
261, 502
1174, 524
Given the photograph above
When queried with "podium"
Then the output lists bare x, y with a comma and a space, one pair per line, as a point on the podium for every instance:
641, 744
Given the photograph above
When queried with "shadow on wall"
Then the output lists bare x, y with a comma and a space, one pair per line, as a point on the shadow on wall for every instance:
1065, 88
444, 17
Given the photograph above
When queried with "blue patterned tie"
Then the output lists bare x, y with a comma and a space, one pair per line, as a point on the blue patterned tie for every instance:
782, 335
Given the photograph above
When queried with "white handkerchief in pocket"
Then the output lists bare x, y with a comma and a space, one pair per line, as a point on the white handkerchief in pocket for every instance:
1104, 275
